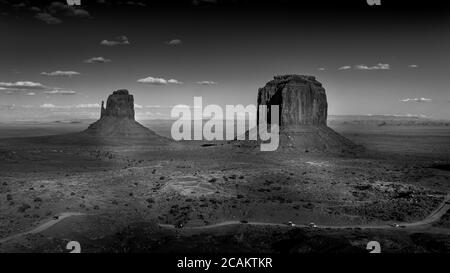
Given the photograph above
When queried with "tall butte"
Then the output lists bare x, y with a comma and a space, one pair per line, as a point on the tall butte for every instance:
303, 114
117, 119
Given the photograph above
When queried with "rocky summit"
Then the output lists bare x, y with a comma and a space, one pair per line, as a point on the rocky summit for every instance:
117, 120
303, 109
301, 98
120, 104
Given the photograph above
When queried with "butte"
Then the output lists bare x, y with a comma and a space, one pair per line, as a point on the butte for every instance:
303, 115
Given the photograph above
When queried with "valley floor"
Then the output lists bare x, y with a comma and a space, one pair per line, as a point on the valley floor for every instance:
129, 197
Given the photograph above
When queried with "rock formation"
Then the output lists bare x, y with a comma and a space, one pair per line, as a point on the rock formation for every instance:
117, 119
302, 100
303, 115
120, 104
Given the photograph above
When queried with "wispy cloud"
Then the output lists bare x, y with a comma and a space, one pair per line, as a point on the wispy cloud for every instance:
48, 18
61, 73
207, 83
88, 105
413, 66
173, 81
174, 42
21, 85
158, 81
345, 67
52, 13
153, 106
418, 100
30, 94
321, 68
62, 9
60, 92
78, 106
48, 105
97, 60
120, 40
379, 66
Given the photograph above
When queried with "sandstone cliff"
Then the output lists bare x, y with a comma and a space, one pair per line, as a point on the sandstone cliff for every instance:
302, 99
303, 115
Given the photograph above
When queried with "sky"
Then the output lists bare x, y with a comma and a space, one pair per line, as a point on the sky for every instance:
60, 62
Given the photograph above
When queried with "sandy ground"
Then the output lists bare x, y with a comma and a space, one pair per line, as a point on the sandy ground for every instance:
126, 191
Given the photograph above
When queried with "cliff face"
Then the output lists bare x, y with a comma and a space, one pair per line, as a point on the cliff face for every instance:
120, 105
301, 98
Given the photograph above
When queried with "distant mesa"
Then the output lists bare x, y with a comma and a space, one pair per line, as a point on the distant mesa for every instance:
303, 114
117, 120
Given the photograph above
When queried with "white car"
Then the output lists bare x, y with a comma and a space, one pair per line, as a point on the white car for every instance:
290, 224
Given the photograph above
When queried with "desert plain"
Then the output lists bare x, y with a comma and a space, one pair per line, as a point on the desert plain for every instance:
221, 197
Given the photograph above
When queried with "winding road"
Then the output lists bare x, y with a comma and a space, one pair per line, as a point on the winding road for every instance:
443, 207
433, 217
44, 226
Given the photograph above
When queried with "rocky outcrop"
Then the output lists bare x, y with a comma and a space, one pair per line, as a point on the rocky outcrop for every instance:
301, 98
120, 104
303, 115
117, 119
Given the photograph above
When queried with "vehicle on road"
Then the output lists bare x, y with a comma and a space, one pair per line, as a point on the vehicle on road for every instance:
290, 224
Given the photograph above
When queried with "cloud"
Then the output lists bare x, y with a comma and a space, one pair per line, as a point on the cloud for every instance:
120, 40
78, 106
19, 5
153, 106
48, 105
30, 94
97, 60
413, 66
48, 18
88, 105
418, 100
174, 42
60, 92
61, 73
21, 85
379, 66
321, 68
53, 12
158, 81
155, 81
138, 106
173, 81
35, 9
66, 10
344, 67
207, 83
